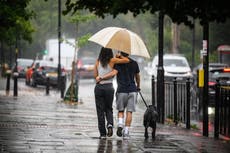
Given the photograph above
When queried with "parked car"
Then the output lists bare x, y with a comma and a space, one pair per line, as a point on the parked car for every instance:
175, 66
221, 74
211, 67
85, 66
218, 71
22, 66
41, 70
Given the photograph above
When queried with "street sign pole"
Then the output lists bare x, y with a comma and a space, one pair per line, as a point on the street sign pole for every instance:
15, 73
205, 98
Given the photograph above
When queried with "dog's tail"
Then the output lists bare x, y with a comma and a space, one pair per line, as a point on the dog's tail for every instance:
143, 98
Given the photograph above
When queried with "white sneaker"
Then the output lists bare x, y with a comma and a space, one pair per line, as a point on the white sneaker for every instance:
126, 135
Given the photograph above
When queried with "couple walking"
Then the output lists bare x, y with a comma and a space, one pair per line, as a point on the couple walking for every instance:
128, 80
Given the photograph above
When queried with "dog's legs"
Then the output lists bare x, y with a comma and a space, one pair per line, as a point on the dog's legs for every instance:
154, 131
146, 133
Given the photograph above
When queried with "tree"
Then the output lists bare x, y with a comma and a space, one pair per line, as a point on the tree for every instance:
180, 11
13, 14
15, 24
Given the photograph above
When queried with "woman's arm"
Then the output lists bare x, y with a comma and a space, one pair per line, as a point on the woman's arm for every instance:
96, 71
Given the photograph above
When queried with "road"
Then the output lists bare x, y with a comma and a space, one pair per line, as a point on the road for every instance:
39, 123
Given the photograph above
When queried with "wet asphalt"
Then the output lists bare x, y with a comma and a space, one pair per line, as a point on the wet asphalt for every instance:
35, 122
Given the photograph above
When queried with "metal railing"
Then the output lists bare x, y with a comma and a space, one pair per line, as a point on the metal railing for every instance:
222, 110
177, 101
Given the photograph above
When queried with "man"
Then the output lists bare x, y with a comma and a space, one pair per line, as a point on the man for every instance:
128, 80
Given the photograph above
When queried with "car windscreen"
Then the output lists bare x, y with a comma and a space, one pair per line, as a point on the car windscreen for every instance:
175, 62
24, 63
219, 74
50, 69
88, 61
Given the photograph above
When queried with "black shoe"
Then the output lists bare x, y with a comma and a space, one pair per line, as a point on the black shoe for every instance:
119, 131
110, 131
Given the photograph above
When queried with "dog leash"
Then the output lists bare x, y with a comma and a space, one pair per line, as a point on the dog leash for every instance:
143, 99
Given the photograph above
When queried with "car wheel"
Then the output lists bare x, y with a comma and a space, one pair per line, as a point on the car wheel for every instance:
27, 81
32, 82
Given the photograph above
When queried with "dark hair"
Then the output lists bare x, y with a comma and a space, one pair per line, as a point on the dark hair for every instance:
124, 54
105, 55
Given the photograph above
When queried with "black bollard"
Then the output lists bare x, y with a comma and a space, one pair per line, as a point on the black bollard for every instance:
153, 90
63, 85
175, 101
15, 84
188, 125
8, 73
47, 86
217, 110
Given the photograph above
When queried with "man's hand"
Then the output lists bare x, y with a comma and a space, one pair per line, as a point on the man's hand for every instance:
98, 79
138, 89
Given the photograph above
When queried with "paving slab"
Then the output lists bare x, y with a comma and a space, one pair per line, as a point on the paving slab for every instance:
35, 122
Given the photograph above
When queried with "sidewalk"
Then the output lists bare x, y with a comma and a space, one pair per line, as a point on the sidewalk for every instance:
36, 123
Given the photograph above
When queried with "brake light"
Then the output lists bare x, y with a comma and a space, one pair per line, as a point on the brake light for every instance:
19, 68
211, 83
79, 64
226, 69
40, 69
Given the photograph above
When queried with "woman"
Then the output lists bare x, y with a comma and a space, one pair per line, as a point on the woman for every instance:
104, 91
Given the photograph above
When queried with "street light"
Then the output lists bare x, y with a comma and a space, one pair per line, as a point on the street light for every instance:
59, 45
160, 70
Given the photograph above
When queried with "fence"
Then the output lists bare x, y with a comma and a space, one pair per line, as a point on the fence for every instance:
222, 110
177, 101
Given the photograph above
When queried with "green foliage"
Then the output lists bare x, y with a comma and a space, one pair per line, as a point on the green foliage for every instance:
170, 116
179, 11
80, 17
194, 126
14, 19
77, 23
83, 40
219, 34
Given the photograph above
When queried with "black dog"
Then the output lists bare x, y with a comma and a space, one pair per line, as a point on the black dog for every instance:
150, 118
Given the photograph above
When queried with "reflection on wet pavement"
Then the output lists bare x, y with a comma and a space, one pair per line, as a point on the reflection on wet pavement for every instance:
36, 123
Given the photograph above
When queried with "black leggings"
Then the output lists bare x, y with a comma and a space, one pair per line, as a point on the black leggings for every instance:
104, 94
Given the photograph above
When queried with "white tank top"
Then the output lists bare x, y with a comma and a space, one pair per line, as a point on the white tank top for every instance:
104, 70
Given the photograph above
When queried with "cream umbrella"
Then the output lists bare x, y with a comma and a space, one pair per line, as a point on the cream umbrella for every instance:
121, 39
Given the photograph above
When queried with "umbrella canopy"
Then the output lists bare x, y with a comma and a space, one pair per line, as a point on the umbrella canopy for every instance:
121, 39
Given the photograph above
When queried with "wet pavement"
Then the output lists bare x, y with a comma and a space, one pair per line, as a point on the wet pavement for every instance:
35, 122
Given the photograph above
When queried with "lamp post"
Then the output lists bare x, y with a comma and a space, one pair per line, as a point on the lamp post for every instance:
160, 70
59, 44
